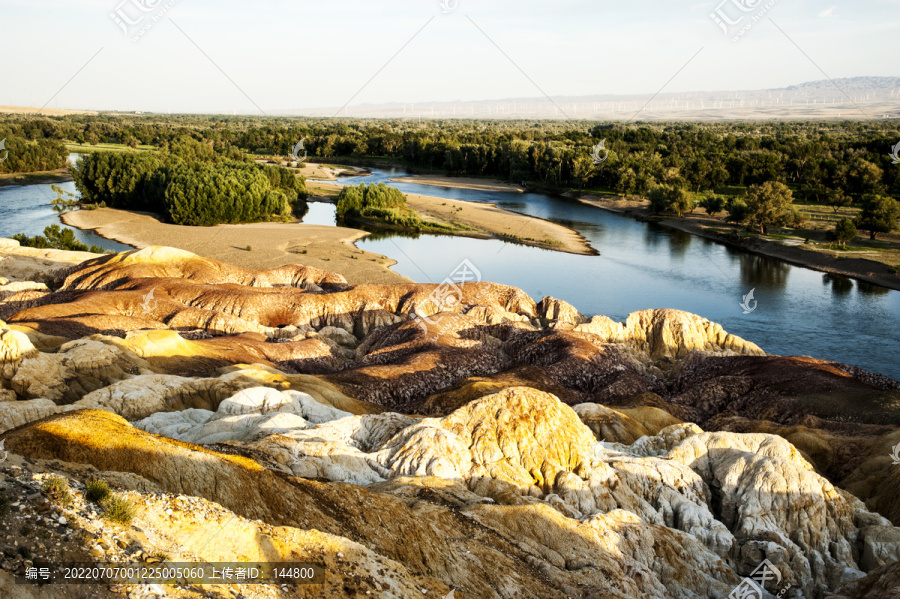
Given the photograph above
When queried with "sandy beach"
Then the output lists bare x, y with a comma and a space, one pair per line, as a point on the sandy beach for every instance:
487, 220
272, 244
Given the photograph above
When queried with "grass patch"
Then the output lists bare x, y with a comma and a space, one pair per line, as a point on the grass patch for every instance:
57, 488
119, 509
97, 490
86, 148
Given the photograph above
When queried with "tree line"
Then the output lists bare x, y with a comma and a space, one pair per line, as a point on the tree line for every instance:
835, 163
815, 159
19, 155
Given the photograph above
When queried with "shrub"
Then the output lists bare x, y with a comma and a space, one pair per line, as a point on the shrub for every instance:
97, 490
798, 218
55, 237
58, 489
118, 508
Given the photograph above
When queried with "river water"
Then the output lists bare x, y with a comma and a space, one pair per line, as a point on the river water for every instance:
798, 311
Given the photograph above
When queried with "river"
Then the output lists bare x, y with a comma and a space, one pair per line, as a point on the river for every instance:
798, 311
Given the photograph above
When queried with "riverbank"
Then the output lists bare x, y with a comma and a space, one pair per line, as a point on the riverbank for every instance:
854, 265
255, 245
461, 183
60, 175
488, 220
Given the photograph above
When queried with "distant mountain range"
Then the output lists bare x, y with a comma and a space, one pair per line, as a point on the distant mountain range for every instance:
855, 97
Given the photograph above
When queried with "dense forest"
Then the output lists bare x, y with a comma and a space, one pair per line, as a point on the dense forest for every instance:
190, 184
20, 155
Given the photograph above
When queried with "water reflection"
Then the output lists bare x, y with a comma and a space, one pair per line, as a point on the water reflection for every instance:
869, 289
764, 272
839, 285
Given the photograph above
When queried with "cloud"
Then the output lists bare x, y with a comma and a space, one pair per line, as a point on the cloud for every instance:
827, 12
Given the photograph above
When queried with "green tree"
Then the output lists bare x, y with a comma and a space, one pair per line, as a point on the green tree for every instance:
660, 198
682, 201
712, 203
879, 215
55, 237
844, 231
769, 204
837, 199
667, 197
738, 211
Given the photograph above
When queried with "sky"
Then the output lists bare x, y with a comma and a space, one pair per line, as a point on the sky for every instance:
261, 56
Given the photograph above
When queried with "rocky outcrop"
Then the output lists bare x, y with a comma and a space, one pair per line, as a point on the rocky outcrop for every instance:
497, 447
519, 463
669, 335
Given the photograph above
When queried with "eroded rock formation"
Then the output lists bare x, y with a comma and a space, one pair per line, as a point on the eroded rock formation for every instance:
492, 445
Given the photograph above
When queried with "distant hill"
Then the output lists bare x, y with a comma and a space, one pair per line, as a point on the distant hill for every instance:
854, 97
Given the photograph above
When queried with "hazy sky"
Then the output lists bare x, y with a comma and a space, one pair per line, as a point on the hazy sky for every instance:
303, 53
